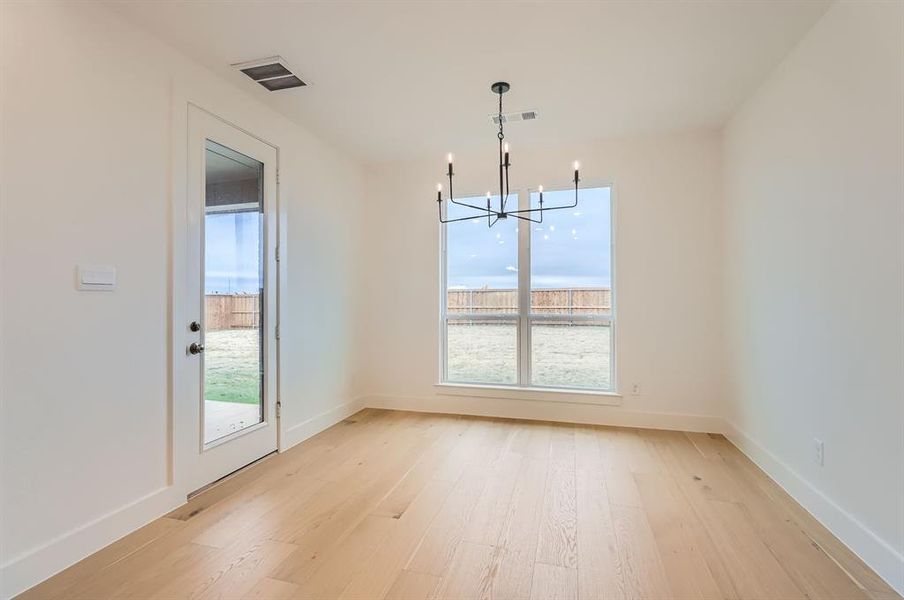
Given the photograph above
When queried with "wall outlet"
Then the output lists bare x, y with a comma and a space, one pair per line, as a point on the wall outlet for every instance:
635, 389
819, 452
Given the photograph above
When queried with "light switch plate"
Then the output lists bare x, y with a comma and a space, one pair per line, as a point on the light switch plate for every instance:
96, 278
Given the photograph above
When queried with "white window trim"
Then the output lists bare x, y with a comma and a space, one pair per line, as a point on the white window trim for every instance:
523, 319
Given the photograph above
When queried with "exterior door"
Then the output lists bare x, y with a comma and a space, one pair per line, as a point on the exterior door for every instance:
230, 336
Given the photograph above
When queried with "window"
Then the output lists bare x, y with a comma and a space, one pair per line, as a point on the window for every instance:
530, 304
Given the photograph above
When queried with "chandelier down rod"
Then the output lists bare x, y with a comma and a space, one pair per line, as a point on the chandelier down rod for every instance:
492, 215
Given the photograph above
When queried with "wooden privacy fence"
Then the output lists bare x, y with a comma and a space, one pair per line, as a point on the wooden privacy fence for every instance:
231, 311
242, 311
555, 301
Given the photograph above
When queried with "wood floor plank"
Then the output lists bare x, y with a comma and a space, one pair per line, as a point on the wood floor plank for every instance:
551, 582
228, 573
488, 518
556, 544
470, 573
439, 543
692, 502
755, 571
641, 567
599, 569
517, 545
58, 585
415, 506
532, 440
804, 523
671, 522
327, 523
412, 586
425, 469
392, 554
272, 589
809, 566
141, 578
335, 569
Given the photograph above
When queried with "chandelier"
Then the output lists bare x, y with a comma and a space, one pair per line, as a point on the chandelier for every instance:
534, 215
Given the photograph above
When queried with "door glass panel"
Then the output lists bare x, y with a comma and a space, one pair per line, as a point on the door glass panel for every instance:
233, 292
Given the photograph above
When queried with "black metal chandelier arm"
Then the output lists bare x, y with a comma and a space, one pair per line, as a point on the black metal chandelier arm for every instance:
454, 201
480, 208
540, 220
471, 218
506, 183
542, 208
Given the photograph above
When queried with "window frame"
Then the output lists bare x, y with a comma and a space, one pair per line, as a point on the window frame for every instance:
524, 319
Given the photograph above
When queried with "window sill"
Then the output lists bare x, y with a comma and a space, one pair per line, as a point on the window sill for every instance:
530, 393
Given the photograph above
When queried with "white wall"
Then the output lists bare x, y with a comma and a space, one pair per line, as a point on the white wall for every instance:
86, 159
668, 276
815, 276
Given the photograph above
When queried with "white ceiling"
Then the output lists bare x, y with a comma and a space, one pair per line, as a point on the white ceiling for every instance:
397, 80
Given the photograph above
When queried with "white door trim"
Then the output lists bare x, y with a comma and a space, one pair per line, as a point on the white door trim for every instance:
184, 437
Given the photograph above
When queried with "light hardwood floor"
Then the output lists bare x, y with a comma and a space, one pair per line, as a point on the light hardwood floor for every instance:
414, 506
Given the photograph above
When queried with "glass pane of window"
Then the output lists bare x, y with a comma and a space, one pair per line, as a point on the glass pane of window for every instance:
482, 351
571, 262
571, 354
482, 262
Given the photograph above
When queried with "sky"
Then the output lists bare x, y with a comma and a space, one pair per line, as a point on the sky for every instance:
232, 253
571, 248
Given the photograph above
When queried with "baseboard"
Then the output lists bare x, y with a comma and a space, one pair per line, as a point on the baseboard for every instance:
310, 427
548, 411
34, 566
887, 562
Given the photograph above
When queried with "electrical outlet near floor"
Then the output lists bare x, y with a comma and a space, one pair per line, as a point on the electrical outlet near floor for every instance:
635, 389
819, 452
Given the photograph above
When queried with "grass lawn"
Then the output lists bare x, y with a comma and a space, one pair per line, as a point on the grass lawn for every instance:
561, 355
231, 366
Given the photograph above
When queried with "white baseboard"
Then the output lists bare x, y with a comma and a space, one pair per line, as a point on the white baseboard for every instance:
534, 410
310, 427
873, 550
34, 566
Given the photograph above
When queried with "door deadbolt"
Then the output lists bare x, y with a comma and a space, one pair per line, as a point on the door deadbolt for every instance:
194, 326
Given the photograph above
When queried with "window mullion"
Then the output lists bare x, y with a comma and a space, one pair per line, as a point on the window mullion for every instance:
524, 293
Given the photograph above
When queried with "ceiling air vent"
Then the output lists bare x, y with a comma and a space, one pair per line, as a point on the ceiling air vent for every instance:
272, 73
513, 117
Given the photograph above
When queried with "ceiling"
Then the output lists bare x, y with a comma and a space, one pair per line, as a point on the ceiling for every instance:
398, 80
223, 165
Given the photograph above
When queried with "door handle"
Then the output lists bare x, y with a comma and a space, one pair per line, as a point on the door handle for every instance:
196, 348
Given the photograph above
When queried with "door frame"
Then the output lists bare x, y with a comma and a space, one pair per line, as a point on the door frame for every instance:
184, 438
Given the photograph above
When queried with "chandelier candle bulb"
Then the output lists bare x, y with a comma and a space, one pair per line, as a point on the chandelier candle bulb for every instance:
439, 192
